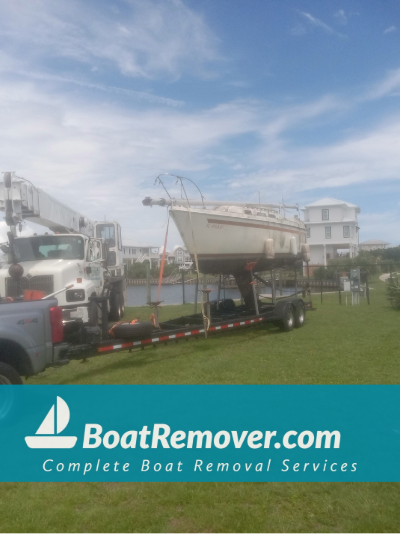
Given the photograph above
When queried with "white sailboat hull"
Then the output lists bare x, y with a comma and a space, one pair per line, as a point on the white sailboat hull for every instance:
225, 241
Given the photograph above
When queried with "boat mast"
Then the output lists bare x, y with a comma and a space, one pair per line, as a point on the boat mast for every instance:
148, 201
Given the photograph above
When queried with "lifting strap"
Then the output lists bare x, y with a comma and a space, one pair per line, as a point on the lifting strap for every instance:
163, 261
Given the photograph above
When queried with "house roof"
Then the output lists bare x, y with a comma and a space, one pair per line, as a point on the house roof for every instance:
374, 242
327, 201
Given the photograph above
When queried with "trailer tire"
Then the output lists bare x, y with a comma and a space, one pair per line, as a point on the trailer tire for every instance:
299, 315
133, 331
117, 307
9, 376
287, 322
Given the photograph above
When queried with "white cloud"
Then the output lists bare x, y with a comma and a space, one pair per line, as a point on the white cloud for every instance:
143, 39
320, 24
369, 157
390, 29
341, 17
101, 157
389, 85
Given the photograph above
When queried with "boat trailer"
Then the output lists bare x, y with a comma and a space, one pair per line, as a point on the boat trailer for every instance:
223, 316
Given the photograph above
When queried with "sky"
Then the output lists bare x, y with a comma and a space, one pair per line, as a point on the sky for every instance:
294, 100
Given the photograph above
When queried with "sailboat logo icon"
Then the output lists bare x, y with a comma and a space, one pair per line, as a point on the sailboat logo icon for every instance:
47, 434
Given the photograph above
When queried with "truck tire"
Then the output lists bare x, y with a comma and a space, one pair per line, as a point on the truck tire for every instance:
287, 322
117, 307
299, 315
9, 376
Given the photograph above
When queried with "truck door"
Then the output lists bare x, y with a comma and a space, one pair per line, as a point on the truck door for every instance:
94, 259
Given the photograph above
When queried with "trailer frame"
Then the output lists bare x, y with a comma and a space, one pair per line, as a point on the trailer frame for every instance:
192, 326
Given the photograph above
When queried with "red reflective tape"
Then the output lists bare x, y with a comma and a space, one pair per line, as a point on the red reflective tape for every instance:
104, 349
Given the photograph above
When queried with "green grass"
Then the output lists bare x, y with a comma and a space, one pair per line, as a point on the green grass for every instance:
337, 345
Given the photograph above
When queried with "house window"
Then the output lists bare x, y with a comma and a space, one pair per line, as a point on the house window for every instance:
133, 251
327, 232
325, 215
308, 231
124, 251
346, 231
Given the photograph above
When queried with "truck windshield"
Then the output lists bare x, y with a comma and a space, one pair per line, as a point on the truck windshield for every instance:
48, 247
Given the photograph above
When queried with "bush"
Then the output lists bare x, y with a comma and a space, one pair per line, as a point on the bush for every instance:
393, 292
326, 273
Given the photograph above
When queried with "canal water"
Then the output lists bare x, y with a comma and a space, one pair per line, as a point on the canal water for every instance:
172, 293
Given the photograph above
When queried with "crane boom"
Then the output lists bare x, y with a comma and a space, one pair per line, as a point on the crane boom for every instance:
21, 200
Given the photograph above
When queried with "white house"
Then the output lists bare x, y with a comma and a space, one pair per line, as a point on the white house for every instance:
373, 244
332, 230
133, 251
182, 256
179, 255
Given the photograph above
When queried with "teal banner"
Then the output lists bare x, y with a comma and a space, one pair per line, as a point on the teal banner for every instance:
200, 433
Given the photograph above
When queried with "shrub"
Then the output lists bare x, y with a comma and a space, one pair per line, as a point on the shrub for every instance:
393, 291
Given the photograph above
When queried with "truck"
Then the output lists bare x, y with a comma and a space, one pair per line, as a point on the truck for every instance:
31, 339
77, 260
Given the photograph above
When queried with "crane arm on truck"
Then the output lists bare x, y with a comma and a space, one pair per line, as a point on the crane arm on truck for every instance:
21, 200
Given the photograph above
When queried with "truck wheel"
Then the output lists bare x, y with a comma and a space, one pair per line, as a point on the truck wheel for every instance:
287, 322
299, 315
117, 307
9, 376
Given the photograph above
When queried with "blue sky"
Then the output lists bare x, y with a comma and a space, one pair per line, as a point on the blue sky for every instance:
297, 99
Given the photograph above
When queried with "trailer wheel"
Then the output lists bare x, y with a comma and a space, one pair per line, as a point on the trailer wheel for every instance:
287, 322
9, 376
117, 307
299, 315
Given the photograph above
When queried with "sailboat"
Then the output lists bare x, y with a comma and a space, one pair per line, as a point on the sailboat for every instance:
226, 235
54, 423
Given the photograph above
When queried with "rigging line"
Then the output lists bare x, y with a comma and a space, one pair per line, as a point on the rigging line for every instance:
196, 186
162, 183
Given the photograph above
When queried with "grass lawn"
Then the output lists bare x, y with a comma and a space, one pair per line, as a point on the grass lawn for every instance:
337, 345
